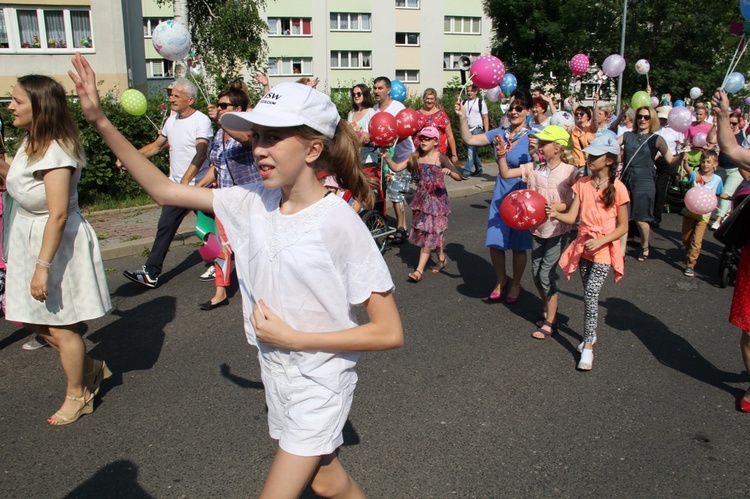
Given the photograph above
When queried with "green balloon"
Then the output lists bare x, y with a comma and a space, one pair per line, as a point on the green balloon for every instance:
640, 99
134, 102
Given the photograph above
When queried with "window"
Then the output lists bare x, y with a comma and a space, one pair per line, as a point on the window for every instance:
350, 22
149, 24
290, 66
52, 28
407, 4
159, 68
343, 59
453, 60
408, 75
407, 39
470, 25
287, 26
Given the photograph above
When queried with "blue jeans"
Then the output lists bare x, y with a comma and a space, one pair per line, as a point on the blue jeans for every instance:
472, 159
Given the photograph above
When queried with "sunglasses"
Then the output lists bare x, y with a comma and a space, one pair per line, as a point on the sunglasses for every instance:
518, 109
734, 123
423, 138
580, 114
223, 105
644, 116
356, 94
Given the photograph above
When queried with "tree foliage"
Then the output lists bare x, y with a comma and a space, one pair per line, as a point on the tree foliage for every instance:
685, 42
228, 34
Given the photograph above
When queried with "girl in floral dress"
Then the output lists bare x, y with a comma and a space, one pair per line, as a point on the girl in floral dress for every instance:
430, 206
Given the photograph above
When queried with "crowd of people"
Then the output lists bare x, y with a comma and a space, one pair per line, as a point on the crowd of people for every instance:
274, 167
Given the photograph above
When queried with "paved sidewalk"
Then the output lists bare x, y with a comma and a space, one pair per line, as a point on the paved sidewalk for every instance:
131, 231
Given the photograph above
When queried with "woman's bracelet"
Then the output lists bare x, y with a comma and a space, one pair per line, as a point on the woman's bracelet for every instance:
44, 264
501, 154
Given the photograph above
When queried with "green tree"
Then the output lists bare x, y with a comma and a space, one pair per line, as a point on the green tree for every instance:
684, 41
228, 34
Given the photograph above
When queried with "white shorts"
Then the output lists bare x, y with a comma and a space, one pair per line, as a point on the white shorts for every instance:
306, 418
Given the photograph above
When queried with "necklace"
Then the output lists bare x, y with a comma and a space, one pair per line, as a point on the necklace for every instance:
599, 185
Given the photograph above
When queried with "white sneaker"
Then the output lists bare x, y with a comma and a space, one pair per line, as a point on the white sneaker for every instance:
35, 343
208, 275
587, 359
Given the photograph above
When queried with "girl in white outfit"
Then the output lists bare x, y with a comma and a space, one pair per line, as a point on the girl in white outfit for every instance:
305, 261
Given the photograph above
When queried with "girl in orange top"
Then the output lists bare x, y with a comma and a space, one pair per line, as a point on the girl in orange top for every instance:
601, 202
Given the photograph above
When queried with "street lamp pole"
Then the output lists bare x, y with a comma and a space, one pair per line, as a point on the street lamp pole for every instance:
622, 53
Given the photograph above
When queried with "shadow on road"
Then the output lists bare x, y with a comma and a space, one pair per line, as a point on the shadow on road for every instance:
118, 479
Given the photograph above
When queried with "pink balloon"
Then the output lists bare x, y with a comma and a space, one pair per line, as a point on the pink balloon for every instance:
487, 72
701, 200
700, 139
211, 250
680, 119
579, 64
654, 101
613, 65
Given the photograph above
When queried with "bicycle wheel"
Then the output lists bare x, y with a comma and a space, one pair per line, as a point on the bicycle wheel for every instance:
378, 227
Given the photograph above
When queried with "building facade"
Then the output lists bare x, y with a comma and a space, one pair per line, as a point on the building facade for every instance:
344, 42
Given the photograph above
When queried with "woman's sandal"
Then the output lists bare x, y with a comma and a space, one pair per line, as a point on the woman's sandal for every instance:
643, 255
440, 265
399, 237
100, 372
543, 334
415, 276
87, 407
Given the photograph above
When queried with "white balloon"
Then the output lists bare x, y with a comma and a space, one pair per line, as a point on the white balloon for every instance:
563, 119
493, 94
642, 66
695, 92
171, 40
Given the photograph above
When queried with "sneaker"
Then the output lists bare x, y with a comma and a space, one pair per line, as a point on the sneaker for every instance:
714, 225
35, 343
465, 176
142, 277
477, 173
587, 360
689, 272
208, 275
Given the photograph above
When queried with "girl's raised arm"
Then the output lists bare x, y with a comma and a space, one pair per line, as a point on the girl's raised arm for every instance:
154, 182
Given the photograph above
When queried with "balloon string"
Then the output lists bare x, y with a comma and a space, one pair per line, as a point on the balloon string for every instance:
189, 73
647, 82
149, 120
735, 59
465, 86
164, 117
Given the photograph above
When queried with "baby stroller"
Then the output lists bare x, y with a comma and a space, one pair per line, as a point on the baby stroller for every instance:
678, 187
375, 219
730, 255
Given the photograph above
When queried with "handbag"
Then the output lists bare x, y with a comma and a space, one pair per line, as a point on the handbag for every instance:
735, 229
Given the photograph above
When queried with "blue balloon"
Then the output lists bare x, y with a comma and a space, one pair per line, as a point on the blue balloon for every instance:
745, 8
398, 91
679, 103
508, 84
735, 82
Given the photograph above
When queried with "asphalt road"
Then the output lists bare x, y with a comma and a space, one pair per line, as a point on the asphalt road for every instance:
471, 406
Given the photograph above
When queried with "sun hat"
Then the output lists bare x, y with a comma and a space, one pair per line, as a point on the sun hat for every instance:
603, 144
287, 105
554, 133
663, 112
429, 131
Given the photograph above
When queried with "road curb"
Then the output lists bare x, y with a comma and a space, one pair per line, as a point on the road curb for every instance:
143, 245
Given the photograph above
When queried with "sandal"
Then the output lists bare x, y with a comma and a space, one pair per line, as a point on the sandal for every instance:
60, 418
100, 372
543, 334
399, 237
643, 255
440, 265
415, 276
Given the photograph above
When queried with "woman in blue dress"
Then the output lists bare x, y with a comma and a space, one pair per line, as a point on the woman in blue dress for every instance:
500, 237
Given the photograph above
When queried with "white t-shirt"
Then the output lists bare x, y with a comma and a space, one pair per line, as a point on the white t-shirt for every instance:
671, 137
182, 135
474, 115
311, 268
405, 147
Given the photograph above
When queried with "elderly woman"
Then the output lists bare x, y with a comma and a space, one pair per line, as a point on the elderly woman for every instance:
55, 272
432, 114
641, 147
500, 237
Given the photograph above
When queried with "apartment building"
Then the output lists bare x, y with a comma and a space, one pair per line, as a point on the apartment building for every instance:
344, 42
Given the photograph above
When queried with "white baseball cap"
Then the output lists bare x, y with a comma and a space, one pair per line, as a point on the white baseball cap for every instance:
285, 105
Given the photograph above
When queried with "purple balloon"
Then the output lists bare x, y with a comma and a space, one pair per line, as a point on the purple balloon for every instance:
654, 101
700, 139
493, 94
680, 119
613, 65
487, 72
747, 101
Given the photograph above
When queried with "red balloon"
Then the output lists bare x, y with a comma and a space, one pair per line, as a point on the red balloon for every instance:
407, 123
523, 210
382, 128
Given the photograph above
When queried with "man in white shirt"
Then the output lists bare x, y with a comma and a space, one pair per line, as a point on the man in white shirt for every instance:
664, 171
188, 133
398, 184
477, 116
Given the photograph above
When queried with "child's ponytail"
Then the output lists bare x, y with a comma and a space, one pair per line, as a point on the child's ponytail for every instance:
608, 196
342, 161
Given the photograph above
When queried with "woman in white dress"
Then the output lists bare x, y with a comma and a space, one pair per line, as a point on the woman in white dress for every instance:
55, 272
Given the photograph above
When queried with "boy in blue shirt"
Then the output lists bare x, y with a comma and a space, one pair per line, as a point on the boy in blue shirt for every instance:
694, 225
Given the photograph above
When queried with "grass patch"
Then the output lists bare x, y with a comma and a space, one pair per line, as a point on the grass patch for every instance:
133, 238
102, 203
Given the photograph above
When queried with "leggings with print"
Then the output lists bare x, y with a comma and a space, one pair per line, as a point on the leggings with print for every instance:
593, 276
